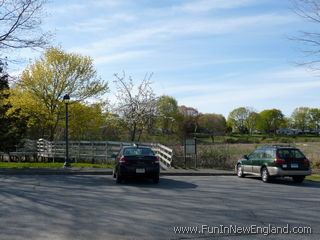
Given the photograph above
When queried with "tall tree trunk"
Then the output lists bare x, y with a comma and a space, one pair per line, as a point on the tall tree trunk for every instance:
140, 132
133, 132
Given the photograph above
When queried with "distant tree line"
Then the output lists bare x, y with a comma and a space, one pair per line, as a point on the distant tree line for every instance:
245, 120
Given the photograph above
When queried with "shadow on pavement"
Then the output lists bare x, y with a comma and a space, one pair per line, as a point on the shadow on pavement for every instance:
287, 181
164, 183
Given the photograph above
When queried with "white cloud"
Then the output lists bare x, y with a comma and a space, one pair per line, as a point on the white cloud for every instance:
298, 74
257, 95
224, 92
120, 57
227, 25
106, 3
156, 33
81, 6
241, 93
66, 8
199, 6
98, 24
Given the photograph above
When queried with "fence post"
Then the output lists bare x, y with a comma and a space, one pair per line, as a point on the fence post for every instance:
106, 152
54, 150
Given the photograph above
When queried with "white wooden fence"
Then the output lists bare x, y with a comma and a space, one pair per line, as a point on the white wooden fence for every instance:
96, 150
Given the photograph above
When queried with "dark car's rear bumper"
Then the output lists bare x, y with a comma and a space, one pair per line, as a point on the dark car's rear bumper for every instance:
131, 171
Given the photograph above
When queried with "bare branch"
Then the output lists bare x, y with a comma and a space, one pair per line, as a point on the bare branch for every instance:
20, 22
310, 11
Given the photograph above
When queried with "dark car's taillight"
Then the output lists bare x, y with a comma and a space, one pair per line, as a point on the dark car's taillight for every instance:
157, 160
122, 160
306, 162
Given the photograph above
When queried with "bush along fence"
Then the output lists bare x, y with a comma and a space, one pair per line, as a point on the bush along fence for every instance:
82, 151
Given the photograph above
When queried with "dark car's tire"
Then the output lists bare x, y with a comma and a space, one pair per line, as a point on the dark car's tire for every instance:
298, 179
240, 171
156, 180
265, 176
118, 178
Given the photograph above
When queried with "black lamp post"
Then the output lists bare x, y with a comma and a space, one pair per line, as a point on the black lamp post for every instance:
66, 100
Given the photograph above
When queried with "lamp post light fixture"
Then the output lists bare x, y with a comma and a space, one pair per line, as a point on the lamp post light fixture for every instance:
66, 100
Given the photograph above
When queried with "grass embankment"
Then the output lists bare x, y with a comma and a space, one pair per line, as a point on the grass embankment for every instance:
315, 178
27, 165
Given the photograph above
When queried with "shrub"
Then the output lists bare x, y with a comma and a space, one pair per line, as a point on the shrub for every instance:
285, 140
231, 140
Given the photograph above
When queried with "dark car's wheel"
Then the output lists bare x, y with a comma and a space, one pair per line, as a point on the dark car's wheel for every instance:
240, 171
265, 175
156, 179
298, 179
118, 178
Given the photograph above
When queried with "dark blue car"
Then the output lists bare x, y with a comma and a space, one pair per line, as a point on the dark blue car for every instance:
136, 161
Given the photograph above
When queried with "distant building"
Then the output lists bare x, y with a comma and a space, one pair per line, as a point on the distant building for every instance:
287, 131
256, 132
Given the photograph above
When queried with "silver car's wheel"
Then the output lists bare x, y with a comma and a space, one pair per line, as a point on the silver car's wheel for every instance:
265, 175
240, 171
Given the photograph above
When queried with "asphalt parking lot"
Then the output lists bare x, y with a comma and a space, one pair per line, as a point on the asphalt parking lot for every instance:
95, 207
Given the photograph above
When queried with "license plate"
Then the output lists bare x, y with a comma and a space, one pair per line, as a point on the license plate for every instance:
294, 165
140, 170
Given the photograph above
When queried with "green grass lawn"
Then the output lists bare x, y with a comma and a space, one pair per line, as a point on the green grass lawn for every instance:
315, 178
16, 165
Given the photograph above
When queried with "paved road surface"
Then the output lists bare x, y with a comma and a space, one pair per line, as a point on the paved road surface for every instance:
95, 207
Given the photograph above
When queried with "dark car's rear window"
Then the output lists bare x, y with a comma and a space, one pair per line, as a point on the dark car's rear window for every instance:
290, 153
138, 151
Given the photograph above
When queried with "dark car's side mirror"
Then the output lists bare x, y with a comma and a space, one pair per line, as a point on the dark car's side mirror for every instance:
245, 157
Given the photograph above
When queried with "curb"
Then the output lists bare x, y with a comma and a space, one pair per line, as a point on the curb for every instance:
103, 172
52, 173
196, 174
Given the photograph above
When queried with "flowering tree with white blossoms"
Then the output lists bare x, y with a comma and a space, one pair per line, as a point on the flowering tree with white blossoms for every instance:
136, 105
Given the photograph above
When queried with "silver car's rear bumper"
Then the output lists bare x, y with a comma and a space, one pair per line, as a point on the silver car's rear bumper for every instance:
275, 171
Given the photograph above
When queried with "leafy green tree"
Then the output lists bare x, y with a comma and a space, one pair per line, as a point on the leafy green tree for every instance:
301, 118
12, 128
86, 121
270, 120
287, 122
187, 120
168, 113
213, 124
314, 119
252, 121
238, 118
115, 128
39, 93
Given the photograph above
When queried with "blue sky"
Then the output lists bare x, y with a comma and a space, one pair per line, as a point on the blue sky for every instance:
213, 55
